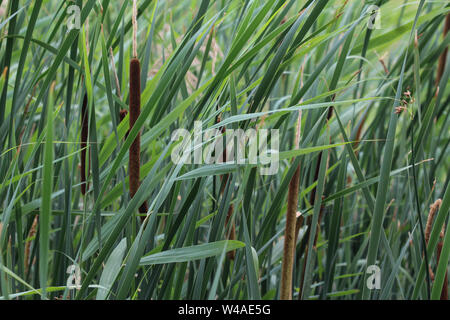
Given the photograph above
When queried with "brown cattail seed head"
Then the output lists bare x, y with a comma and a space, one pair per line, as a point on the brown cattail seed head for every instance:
135, 110
135, 149
433, 209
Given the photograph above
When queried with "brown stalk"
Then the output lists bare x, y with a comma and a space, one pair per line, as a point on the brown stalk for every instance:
383, 63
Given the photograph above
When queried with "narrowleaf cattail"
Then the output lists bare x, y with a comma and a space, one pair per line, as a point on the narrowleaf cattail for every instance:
84, 138
294, 220
289, 238
433, 209
291, 231
135, 110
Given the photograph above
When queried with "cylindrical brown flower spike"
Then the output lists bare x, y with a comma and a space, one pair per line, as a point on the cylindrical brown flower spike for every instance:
135, 110
290, 238
135, 149
84, 138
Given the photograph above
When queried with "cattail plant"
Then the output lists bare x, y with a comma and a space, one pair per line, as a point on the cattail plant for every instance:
291, 231
135, 110
433, 209
233, 68
294, 219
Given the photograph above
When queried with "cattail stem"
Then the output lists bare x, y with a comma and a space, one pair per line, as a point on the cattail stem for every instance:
135, 28
84, 139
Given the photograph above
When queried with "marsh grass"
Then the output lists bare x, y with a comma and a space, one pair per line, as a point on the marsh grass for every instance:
352, 188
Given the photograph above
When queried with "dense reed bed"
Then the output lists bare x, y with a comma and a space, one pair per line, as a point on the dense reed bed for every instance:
355, 175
